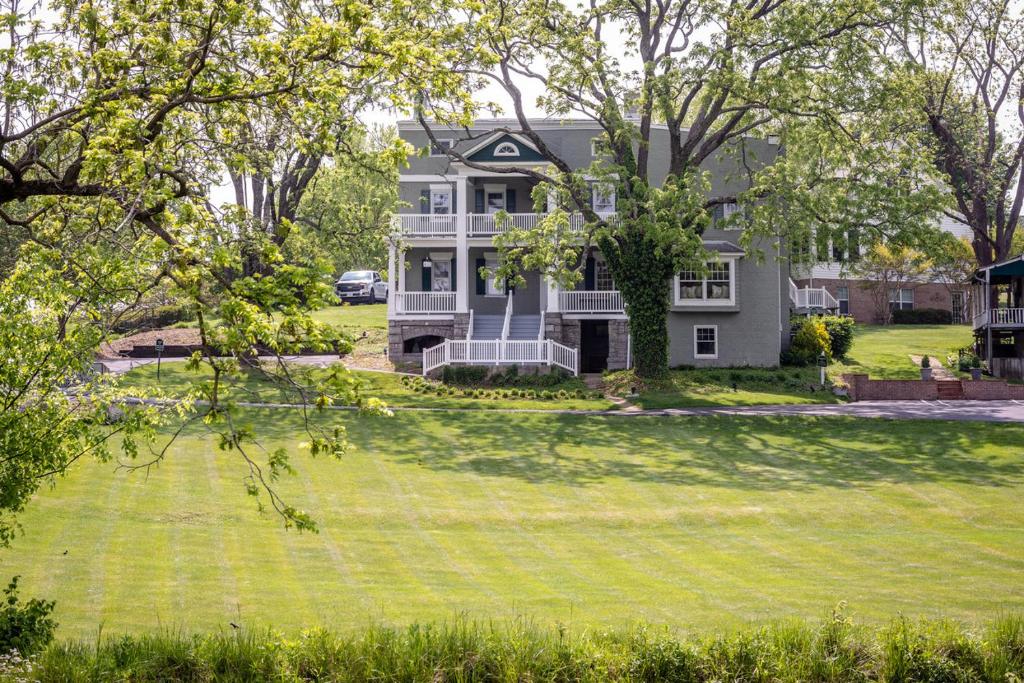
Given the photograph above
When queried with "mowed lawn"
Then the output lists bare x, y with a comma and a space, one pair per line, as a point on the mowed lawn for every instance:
883, 351
691, 522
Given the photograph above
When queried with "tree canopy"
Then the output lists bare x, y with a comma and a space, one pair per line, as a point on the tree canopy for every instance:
116, 119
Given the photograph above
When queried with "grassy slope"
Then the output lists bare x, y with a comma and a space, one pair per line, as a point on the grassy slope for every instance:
714, 387
883, 352
174, 379
698, 523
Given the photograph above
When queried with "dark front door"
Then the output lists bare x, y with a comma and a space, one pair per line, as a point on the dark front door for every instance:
593, 345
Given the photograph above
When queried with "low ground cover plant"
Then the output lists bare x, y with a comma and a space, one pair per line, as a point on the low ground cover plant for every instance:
836, 649
497, 392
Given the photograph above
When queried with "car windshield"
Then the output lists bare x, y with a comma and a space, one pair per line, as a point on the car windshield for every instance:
357, 275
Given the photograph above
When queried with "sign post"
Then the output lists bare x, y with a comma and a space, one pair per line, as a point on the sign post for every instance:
822, 362
159, 352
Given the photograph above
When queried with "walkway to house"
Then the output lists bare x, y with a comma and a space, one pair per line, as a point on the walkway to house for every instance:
939, 371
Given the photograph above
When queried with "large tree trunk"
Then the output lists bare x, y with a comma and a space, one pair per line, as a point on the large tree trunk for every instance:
643, 279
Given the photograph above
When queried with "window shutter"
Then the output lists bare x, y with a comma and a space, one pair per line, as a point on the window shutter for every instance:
426, 272
478, 201
455, 200
718, 212
589, 274
481, 285
455, 269
425, 201
510, 200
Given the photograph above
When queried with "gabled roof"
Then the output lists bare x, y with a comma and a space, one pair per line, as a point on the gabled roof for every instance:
492, 141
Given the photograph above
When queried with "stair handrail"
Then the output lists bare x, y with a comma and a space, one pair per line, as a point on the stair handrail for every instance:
794, 291
508, 317
469, 332
540, 332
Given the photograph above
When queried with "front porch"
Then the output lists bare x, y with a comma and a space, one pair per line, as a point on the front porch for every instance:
998, 317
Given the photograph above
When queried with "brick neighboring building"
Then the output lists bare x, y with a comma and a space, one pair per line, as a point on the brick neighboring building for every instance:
857, 299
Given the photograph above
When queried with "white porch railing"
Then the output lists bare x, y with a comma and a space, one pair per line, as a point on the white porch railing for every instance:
425, 302
484, 224
478, 224
598, 301
508, 316
425, 224
500, 352
1008, 317
813, 297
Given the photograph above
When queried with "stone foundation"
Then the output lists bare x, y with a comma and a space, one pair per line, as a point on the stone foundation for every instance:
400, 331
567, 332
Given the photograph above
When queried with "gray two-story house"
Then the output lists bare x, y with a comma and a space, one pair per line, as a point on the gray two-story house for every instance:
443, 311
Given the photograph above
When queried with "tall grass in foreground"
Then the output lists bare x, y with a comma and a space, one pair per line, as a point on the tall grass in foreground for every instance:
835, 650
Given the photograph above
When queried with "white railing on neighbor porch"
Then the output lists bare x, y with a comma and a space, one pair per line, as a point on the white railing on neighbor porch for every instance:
1008, 317
425, 302
812, 297
500, 352
597, 301
426, 224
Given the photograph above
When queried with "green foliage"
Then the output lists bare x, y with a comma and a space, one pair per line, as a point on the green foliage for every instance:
809, 342
922, 316
836, 650
840, 333
926, 362
25, 627
469, 382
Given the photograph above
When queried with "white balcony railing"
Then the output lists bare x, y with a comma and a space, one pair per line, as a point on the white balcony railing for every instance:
478, 224
1000, 317
484, 224
500, 352
606, 301
426, 224
425, 302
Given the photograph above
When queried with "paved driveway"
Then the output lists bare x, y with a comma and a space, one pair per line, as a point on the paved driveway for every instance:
979, 411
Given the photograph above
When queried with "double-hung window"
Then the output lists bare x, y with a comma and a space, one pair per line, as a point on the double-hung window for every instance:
705, 341
603, 198
715, 285
901, 299
440, 200
494, 288
441, 147
843, 297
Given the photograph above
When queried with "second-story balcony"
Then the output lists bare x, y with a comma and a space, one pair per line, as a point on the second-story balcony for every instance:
477, 224
591, 302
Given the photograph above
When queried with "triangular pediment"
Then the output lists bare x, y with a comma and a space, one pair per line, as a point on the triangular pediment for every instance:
505, 147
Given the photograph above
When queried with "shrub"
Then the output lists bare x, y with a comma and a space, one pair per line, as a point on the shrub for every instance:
810, 341
926, 362
464, 375
840, 334
922, 316
24, 627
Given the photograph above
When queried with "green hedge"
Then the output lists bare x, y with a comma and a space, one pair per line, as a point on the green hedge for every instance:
922, 316
834, 650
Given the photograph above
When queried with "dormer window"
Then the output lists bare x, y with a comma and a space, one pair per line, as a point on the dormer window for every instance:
506, 149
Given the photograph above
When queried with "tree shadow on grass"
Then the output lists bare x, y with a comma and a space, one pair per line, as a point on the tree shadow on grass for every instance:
755, 453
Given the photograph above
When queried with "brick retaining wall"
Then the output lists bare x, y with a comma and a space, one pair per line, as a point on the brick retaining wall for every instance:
862, 388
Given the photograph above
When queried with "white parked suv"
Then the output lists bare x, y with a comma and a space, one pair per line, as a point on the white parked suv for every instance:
364, 286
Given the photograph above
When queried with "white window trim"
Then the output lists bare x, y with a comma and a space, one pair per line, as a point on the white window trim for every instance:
513, 152
491, 263
731, 301
441, 189
705, 356
610, 194
430, 146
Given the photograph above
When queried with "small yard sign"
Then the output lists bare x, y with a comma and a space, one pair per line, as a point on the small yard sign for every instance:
159, 351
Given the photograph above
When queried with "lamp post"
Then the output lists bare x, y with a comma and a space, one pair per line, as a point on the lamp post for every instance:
822, 362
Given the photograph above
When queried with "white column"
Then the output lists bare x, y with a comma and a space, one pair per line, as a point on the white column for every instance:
554, 296
462, 284
392, 281
401, 271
